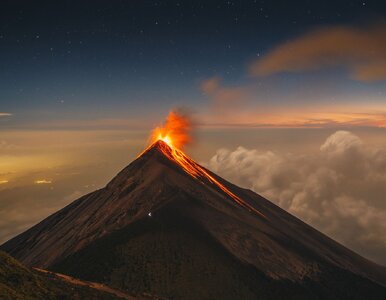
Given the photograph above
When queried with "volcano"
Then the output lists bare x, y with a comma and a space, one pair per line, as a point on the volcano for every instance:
169, 227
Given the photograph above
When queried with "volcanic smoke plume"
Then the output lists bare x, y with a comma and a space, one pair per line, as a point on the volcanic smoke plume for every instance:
175, 131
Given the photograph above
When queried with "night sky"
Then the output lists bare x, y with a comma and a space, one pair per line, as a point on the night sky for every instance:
114, 59
288, 99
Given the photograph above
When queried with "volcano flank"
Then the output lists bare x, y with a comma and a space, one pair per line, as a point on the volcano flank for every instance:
169, 227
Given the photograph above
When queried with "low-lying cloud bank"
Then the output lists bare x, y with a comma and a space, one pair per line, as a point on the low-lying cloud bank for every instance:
339, 190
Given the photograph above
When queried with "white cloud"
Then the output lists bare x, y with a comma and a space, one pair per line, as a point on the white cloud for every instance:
339, 190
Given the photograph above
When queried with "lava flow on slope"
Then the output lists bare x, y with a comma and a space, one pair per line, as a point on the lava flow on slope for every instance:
175, 134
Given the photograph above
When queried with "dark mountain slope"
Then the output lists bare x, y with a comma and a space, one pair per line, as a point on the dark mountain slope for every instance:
175, 258
203, 233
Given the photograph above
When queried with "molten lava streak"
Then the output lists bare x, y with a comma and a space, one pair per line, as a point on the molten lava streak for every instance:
175, 134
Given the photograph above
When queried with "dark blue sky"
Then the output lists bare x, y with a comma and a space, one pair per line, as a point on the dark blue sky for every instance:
89, 59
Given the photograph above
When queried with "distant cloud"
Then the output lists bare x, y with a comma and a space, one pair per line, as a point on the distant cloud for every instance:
361, 51
339, 190
4, 114
210, 85
224, 99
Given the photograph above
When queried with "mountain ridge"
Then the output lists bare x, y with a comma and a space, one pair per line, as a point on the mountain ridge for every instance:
251, 232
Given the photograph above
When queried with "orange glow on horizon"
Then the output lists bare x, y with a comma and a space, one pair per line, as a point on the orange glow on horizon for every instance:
302, 119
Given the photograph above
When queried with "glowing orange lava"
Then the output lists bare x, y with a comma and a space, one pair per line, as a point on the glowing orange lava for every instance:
175, 134
175, 131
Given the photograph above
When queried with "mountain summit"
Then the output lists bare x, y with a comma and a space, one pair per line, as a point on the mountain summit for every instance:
168, 226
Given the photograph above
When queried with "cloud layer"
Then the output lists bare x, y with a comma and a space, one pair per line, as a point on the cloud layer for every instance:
339, 190
361, 51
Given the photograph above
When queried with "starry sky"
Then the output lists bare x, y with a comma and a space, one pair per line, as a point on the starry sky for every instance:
296, 85
96, 60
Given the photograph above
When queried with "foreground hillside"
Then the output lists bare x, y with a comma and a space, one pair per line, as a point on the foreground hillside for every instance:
19, 282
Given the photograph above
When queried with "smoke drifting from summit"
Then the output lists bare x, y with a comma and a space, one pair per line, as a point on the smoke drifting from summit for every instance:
176, 130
